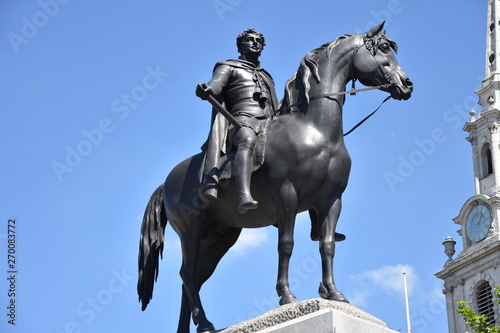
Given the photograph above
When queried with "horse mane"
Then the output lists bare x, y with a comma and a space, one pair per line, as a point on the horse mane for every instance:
297, 88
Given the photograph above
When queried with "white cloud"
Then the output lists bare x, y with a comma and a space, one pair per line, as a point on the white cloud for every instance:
249, 238
386, 278
359, 297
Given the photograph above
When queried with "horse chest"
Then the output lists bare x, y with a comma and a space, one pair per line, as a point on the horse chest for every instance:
328, 169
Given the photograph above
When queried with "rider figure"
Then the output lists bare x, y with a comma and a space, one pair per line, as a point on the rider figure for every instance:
247, 92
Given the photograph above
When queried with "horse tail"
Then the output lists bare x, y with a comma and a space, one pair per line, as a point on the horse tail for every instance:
151, 245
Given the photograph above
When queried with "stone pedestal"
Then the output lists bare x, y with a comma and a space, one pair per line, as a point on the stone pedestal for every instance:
314, 315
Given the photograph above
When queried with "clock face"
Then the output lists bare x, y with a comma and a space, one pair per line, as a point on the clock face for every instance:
478, 223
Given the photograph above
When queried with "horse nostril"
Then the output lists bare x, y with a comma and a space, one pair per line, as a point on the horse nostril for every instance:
408, 83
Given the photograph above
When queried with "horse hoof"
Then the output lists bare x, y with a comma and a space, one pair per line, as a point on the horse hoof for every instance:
205, 329
337, 296
288, 299
339, 237
323, 292
315, 236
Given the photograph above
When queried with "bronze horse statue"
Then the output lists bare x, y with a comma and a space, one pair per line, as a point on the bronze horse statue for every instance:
306, 168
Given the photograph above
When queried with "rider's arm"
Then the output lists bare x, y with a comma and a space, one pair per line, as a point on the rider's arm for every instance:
215, 86
220, 79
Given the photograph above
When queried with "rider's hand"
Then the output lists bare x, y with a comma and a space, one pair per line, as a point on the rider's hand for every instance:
203, 90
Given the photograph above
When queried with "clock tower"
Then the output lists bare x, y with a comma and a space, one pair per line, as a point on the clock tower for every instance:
474, 273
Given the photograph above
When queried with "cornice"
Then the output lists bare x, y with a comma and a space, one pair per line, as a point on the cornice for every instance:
484, 117
473, 254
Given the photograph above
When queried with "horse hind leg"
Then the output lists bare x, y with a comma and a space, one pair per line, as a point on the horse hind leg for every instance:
185, 314
189, 273
315, 228
209, 256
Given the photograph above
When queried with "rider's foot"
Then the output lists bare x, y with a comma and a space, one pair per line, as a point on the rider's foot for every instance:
246, 203
210, 193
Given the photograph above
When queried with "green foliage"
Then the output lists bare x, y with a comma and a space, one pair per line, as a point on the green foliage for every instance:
478, 323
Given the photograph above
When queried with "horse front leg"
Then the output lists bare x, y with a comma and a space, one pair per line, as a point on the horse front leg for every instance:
287, 211
328, 223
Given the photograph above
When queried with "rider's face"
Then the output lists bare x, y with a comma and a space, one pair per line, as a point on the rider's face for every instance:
251, 45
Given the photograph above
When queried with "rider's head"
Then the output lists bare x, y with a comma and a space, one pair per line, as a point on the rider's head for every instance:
250, 41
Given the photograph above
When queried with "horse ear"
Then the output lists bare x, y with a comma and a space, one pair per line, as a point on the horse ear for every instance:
375, 30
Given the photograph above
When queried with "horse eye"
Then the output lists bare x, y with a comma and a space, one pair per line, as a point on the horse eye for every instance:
385, 47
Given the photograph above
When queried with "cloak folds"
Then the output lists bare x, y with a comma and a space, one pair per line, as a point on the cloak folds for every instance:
217, 144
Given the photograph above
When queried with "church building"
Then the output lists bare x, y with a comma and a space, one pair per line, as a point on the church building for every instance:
475, 272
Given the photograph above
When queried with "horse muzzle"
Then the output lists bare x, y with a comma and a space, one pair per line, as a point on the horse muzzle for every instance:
402, 88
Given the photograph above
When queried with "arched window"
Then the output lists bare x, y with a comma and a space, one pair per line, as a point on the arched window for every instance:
486, 160
484, 301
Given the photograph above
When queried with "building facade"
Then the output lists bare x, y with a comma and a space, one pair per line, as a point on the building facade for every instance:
474, 273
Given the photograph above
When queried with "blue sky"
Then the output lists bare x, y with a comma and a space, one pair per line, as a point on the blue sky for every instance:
98, 106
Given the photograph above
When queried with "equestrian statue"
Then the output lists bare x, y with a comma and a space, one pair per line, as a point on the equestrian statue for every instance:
264, 162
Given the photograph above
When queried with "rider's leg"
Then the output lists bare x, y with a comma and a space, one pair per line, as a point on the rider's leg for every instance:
244, 140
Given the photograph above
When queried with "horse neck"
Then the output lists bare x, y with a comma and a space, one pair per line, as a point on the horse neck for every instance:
336, 70
325, 113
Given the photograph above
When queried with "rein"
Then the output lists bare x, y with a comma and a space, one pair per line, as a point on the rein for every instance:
366, 118
351, 92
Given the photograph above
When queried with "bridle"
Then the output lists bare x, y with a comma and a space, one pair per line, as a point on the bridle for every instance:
368, 43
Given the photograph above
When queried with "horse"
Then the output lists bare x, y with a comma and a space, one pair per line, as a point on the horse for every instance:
306, 168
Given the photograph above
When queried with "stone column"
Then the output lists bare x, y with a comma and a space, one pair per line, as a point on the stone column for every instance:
495, 154
475, 159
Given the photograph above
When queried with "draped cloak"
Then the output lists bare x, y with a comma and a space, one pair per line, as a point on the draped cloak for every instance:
217, 144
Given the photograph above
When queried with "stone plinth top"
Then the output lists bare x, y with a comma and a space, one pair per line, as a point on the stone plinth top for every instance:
293, 311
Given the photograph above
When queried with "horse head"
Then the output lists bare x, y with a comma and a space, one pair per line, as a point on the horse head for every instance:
367, 57
374, 64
